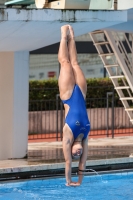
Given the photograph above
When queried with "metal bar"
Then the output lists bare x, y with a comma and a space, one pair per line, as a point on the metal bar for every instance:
107, 129
112, 127
94, 39
106, 54
114, 65
126, 98
122, 87
128, 42
119, 58
125, 56
101, 43
97, 32
41, 117
129, 109
121, 76
107, 46
113, 114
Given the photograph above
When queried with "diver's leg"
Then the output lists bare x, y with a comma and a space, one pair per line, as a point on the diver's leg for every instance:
79, 76
66, 83
66, 79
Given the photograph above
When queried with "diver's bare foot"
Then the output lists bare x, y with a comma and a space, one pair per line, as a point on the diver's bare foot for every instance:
64, 32
71, 32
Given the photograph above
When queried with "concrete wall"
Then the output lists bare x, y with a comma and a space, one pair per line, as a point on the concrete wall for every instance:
14, 70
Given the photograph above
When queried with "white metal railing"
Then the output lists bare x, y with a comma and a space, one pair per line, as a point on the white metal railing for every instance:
116, 52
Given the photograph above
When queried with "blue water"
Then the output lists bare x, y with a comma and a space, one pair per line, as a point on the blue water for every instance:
118, 186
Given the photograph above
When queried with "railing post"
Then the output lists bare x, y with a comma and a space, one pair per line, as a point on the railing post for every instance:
107, 129
113, 113
112, 127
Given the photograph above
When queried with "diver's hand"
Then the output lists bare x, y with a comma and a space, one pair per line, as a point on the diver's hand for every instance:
75, 184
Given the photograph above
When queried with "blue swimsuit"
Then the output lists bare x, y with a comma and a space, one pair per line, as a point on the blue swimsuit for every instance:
77, 118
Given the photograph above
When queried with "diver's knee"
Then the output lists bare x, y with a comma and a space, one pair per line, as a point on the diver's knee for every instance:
74, 63
64, 61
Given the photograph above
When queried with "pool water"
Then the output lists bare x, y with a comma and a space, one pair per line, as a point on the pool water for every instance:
116, 186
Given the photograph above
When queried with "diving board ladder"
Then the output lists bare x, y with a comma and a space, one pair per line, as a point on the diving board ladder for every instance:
116, 52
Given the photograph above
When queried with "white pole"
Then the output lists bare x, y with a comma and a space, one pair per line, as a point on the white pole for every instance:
14, 78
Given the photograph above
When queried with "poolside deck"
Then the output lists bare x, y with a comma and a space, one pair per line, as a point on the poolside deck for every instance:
46, 156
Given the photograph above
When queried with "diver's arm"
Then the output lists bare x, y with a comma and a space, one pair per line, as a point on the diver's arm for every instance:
68, 159
82, 163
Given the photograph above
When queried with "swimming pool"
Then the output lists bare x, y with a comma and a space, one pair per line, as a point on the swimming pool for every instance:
115, 186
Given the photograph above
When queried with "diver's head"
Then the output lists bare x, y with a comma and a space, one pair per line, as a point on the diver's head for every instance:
77, 150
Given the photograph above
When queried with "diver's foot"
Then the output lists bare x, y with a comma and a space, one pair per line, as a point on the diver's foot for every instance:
71, 33
64, 32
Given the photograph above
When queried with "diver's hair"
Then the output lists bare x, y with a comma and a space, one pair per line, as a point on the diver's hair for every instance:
76, 157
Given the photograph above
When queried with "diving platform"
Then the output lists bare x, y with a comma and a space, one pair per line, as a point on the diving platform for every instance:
30, 29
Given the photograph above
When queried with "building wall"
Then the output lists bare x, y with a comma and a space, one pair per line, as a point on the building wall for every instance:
41, 65
44, 62
46, 66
